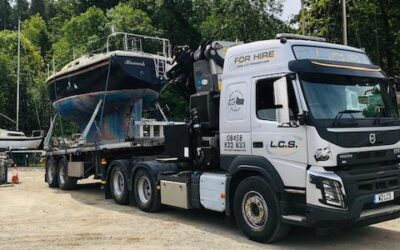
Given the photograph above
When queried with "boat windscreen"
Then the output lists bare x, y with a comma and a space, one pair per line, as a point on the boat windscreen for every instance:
15, 134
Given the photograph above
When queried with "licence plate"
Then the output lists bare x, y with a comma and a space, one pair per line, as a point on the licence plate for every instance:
383, 197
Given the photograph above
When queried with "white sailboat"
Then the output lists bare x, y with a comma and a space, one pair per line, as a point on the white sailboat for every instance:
16, 140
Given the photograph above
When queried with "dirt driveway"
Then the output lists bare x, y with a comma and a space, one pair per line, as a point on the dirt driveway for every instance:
35, 216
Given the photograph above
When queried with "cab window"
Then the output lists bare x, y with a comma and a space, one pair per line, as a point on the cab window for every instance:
265, 100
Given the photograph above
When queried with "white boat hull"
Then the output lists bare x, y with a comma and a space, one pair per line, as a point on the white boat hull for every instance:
21, 143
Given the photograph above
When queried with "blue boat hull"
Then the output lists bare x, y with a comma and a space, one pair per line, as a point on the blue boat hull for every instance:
121, 109
128, 84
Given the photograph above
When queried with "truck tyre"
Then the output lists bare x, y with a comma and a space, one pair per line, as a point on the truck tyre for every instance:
146, 195
64, 181
118, 185
256, 208
51, 172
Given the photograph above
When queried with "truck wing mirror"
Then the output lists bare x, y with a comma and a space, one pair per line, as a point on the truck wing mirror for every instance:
282, 101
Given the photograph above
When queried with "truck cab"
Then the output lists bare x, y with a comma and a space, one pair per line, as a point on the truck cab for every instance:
320, 121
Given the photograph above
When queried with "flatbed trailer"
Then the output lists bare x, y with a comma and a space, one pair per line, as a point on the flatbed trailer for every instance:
84, 159
279, 134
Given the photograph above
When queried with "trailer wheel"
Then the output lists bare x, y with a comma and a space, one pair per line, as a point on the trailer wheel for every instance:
51, 172
64, 181
119, 185
146, 195
256, 208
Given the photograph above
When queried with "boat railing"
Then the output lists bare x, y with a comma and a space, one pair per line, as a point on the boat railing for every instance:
141, 43
159, 47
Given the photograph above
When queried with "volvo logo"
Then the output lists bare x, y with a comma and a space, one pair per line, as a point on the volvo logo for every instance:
372, 138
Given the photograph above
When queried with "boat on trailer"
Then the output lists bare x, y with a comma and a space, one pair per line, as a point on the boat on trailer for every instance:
125, 80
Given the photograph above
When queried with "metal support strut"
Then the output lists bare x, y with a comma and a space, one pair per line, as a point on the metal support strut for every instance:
82, 138
47, 139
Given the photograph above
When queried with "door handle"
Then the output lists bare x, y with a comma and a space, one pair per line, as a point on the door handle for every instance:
258, 144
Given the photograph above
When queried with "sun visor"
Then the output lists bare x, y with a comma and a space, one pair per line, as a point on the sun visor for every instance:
335, 68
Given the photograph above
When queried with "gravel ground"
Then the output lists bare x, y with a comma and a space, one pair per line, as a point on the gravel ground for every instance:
33, 216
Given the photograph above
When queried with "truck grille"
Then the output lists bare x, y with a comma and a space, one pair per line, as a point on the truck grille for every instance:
378, 184
370, 179
368, 157
362, 182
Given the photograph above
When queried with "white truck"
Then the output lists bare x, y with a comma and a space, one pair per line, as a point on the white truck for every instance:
289, 131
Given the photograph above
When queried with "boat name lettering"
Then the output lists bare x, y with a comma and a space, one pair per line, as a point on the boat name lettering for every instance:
130, 62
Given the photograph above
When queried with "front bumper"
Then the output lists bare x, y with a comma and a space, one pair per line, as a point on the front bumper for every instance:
360, 212
359, 186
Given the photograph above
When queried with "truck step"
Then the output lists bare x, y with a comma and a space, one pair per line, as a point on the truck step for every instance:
295, 219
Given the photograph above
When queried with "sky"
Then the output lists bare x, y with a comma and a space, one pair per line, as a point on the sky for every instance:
290, 8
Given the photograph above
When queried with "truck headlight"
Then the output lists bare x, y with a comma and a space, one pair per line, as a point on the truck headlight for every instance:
396, 151
332, 193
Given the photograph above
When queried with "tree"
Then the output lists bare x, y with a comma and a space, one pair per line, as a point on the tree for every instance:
35, 30
83, 5
5, 14
148, 6
174, 17
20, 11
380, 39
37, 7
32, 68
59, 13
244, 20
7, 77
83, 33
127, 19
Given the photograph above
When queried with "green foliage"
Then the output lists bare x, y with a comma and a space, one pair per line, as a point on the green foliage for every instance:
174, 18
84, 5
87, 27
372, 24
127, 19
178, 106
37, 7
21, 11
31, 67
59, 13
5, 14
7, 77
81, 34
35, 30
148, 6
68, 128
243, 20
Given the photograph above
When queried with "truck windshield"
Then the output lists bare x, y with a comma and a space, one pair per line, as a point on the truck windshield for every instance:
359, 98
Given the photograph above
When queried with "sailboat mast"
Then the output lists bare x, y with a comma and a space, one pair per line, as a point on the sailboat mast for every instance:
344, 21
18, 70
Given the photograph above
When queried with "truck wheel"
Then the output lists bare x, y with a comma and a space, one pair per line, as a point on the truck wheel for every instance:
51, 172
256, 208
64, 181
118, 185
146, 195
